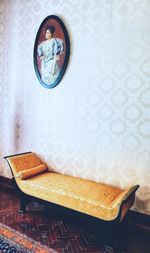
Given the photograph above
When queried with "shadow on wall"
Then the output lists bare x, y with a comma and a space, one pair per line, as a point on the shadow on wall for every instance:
142, 200
17, 129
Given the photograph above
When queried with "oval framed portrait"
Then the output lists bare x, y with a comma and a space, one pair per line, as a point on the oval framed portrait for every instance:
51, 51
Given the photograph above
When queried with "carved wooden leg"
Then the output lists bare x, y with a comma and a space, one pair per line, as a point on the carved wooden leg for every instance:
23, 203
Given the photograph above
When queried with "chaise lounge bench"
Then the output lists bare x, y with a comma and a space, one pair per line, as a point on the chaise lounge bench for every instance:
105, 202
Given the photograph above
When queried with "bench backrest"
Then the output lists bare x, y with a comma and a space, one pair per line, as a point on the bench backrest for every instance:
23, 161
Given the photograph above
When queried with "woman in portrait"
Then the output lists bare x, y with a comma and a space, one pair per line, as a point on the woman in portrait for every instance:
49, 51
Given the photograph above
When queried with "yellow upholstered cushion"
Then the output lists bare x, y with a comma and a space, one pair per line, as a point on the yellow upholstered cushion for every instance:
82, 195
23, 174
23, 162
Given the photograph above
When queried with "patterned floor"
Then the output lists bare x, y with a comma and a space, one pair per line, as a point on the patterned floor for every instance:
66, 234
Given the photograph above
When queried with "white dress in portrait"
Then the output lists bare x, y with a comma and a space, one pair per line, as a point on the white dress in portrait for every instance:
49, 52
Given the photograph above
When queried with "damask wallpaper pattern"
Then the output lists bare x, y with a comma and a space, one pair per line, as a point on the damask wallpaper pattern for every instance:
96, 123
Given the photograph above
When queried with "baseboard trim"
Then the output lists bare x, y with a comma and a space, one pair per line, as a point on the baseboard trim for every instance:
8, 183
136, 216
138, 220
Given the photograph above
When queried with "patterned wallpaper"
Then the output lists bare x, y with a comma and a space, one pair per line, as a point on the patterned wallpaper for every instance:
96, 123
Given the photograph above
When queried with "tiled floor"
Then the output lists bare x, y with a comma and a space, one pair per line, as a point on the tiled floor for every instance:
66, 234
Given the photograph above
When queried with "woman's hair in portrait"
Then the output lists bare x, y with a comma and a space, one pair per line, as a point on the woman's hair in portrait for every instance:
51, 28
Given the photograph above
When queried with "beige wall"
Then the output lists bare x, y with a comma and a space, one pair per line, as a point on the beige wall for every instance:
96, 123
